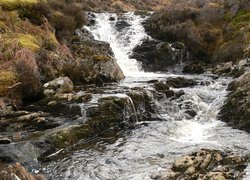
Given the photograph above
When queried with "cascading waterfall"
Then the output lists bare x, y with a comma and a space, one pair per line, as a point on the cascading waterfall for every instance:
122, 40
137, 154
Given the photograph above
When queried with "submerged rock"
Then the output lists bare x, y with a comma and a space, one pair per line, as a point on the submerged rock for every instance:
205, 164
236, 108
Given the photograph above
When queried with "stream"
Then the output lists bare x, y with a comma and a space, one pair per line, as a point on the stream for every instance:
135, 154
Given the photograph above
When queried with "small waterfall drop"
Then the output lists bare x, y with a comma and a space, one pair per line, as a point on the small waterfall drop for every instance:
123, 33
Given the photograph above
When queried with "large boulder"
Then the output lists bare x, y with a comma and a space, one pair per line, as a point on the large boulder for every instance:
95, 62
236, 108
205, 164
156, 55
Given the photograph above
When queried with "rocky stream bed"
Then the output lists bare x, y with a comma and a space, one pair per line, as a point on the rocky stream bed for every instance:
137, 127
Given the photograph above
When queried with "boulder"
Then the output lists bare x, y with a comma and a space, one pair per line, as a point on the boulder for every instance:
205, 164
236, 108
194, 68
95, 62
59, 85
144, 103
24, 152
180, 82
157, 55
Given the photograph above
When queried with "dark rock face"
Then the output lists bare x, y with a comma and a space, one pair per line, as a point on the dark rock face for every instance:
156, 55
194, 68
180, 82
235, 110
205, 164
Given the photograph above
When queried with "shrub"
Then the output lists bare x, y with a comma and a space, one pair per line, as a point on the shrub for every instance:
28, 41
28, 72
7, 79
15, 4
36, 13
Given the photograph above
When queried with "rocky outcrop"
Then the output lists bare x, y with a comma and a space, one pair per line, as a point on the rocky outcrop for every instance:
112, 112
205, 164
157, 56
95, 61
236, 108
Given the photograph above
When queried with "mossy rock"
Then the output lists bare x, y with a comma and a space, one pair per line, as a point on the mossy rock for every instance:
101, 58
15, 4
28, 41
69, 135
7, 79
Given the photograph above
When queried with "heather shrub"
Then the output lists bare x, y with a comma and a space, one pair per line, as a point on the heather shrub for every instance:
36, 13
230, 51
28, 72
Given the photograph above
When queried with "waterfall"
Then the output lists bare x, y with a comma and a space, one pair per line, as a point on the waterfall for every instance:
123, 33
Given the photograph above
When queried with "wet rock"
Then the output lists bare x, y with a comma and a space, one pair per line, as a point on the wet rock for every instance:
180, 82
121, 24
194, 68
31, 116
144, 103
112, 112
59, 85
169, 93
191, 113
205, 164
17, 172
161, 86
235, 110
179, 93
230, 69
5, 140
95, 61
156, 55
23, 152
112, 18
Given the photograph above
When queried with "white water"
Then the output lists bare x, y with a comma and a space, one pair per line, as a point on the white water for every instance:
122, 42
140, 152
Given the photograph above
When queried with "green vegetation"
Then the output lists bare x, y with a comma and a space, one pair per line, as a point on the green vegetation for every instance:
15, 4
7, 79
28, 41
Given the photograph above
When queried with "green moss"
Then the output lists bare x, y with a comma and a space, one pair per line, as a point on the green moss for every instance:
98, 57
15, 4
68, 136
241, 19
7, 79
28, 41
